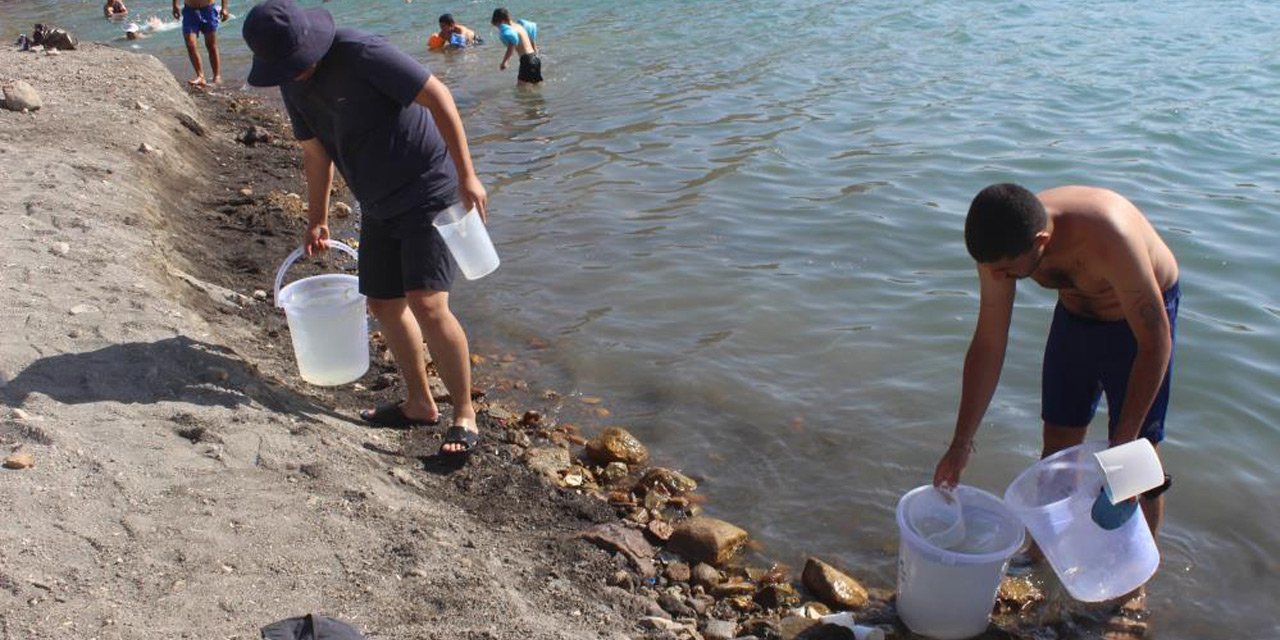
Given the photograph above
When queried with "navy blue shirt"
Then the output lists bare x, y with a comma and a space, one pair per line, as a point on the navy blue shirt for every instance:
359, 104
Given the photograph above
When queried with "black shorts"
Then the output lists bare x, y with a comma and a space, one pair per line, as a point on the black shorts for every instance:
403, 253
530, 68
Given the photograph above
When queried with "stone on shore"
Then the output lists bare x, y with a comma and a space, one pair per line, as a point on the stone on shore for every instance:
720, 630
705, 576
706, 540
20, 460
548, 461
21, 96
831, 586
616, 444
612, 536
673, 482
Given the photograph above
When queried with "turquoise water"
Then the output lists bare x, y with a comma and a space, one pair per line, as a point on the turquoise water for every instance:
741, 224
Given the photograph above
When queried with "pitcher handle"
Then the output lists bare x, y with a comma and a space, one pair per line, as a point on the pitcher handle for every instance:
297, 253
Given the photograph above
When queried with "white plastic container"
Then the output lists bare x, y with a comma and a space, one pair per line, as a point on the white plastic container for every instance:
468, 240
1130, 469
327, 323
1054, 499
948, 594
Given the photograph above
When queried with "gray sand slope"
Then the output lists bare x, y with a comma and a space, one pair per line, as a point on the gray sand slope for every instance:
175, 492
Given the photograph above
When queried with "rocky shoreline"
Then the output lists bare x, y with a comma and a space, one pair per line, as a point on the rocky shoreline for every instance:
175, 212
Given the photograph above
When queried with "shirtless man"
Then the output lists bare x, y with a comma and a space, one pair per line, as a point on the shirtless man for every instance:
1112, 331
520, 36
200, 16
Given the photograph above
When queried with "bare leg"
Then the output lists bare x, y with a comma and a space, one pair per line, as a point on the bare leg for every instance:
215, 60
404, 338
194, 54
450, 352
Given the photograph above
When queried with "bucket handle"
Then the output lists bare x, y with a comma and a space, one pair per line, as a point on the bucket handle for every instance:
293, 257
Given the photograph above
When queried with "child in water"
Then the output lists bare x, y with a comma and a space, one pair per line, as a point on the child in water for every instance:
452, 35
520, 37
114, 8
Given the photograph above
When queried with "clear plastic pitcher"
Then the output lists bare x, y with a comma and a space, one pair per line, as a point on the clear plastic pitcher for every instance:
1054, 498
468, 241
948, 593
327, 323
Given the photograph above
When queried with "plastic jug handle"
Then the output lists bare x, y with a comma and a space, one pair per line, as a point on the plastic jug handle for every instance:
293, 257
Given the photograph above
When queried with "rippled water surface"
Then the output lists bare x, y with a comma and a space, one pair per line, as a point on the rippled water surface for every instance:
740, 223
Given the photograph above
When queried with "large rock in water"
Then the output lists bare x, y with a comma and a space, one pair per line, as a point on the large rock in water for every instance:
20, 96
706, 540
616, 444
832, 586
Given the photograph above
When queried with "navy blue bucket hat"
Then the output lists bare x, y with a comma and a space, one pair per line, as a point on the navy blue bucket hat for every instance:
285, 40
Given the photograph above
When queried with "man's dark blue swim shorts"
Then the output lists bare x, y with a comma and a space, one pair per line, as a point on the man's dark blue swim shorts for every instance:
403, 253
202, 20
1085, 358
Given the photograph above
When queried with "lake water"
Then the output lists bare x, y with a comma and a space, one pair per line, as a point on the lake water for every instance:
740, 223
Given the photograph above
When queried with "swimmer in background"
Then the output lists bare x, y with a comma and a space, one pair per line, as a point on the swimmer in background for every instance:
452, 35
201, 16
133, 32
520, 37
114, 9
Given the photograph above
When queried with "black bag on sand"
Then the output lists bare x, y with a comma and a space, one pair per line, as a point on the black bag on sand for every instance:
311, 627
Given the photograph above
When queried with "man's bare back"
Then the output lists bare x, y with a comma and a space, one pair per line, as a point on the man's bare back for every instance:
1097, 234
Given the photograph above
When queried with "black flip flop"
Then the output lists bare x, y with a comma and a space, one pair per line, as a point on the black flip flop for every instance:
458, 434
392, 416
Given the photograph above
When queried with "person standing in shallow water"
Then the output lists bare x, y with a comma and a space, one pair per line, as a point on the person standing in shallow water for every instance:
202, 17
392, 129
1112, 330
521, 37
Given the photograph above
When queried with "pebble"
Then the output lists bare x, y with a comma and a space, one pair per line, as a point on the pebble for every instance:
60, 249
20, 460
82, 309
146, 148
259, 294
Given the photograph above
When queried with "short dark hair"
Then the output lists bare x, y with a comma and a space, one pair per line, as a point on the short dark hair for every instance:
1003, 222
500, 15
446, 18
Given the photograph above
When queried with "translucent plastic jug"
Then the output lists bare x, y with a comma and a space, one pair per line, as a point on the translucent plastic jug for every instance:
948, 593
327, 323
1054, 498
468, 241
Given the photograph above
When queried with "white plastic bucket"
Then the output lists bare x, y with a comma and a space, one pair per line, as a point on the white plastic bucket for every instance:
468, 240
948, 593
1054, 498
327, 323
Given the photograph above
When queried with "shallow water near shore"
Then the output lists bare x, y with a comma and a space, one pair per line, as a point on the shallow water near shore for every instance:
742, 229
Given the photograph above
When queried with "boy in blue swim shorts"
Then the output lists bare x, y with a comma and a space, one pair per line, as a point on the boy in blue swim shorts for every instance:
202, 17
1112, 331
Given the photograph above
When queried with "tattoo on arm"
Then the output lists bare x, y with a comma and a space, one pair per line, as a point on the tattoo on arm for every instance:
1151, 313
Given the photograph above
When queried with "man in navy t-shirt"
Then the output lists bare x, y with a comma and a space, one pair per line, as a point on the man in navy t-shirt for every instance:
393, 131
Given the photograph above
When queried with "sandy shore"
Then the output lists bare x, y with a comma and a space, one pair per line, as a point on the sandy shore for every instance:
184, 485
